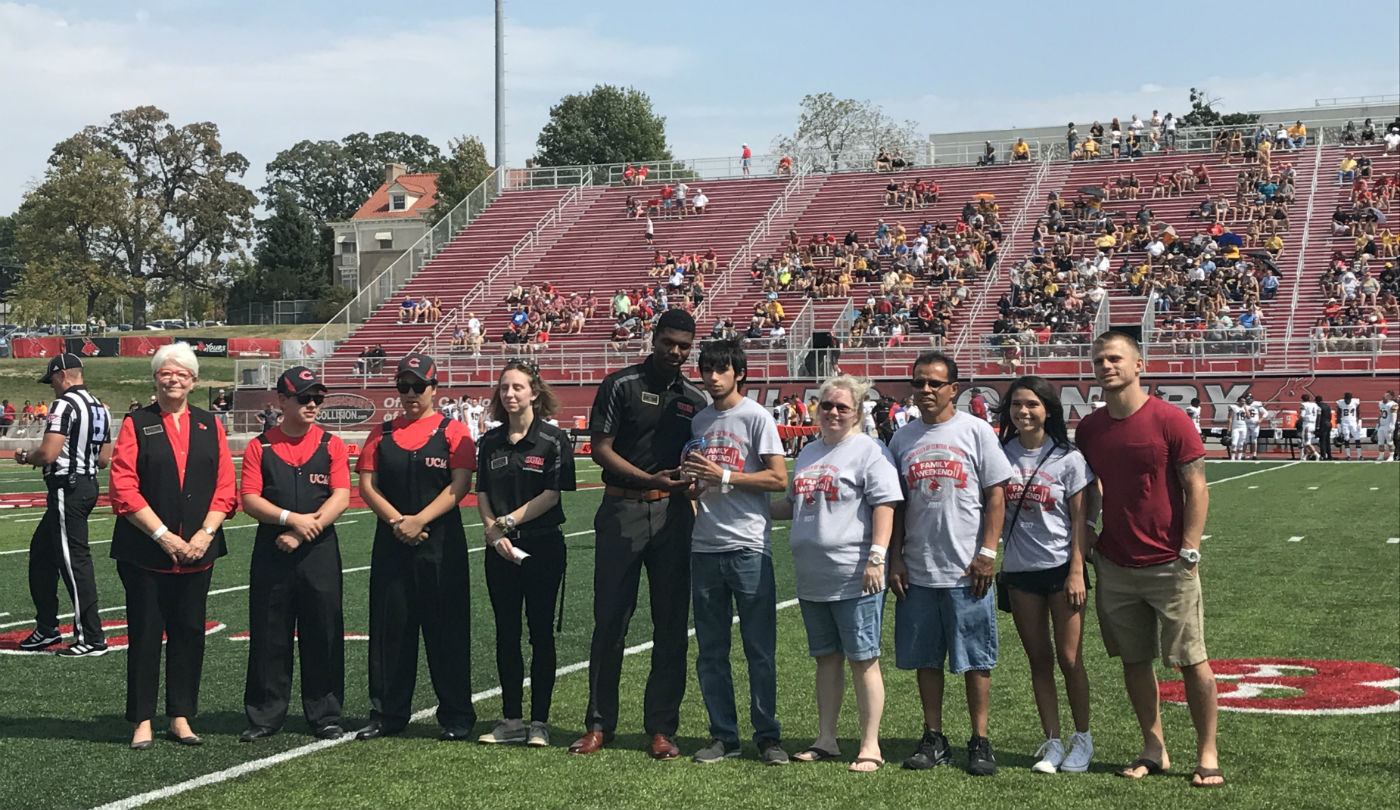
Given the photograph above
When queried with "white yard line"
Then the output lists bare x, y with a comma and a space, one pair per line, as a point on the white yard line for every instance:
1394, 541
1297, 538
1256, 472
256, 765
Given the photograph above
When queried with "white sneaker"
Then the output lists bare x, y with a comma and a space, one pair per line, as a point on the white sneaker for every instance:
505, 731
1051, 754
1080, 752
539, 735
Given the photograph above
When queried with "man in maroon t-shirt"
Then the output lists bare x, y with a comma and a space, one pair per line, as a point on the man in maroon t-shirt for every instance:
1148, 458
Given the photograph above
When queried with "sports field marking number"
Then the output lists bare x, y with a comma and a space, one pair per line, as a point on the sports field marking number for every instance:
1299, 686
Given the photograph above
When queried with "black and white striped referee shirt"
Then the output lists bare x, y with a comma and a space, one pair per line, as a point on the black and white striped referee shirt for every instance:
79, 416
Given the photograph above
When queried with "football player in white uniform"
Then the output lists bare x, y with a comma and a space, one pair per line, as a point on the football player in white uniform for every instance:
1194, 411
1385, 427
1307, 428
1349, 424
1255, 414
1239, 417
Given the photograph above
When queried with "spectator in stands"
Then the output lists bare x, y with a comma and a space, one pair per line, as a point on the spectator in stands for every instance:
1297, 136
784, 166
1169, 132
1392, 142
629, 174
882, 161
989, 155
1020, 151
435, 310
1071, 140
407, 309
1091, 149
1346, 170
701, 202
746, 157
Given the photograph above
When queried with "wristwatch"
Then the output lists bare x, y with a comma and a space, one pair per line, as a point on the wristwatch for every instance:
1190, 555
505, 523
207, 531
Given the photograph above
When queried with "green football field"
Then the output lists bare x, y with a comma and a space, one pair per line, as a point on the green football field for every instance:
1302, 582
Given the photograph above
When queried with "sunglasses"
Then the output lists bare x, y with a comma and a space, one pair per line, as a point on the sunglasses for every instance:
527, 366
417, 386
920, 384
832, 406
307, 399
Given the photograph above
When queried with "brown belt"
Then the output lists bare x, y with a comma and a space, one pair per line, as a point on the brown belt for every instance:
636, 494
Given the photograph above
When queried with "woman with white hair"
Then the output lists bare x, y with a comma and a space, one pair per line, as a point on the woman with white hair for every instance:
172, 487
841, 504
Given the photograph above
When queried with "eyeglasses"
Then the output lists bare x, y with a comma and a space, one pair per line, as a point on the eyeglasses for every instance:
920, 384
166, 376
417, 386
832, 406
307, 399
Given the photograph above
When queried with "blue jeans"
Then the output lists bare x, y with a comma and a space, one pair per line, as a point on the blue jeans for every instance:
745, 580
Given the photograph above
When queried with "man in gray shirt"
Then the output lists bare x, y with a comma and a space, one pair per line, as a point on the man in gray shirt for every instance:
740, 462
954, 474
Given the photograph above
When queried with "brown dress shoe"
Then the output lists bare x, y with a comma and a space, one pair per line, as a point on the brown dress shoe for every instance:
662, 748
591, 742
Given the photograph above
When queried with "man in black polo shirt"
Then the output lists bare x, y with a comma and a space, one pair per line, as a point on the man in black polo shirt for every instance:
640, 424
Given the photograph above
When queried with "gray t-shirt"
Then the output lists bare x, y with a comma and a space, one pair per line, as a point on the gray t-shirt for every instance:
944, 468
833, 492
1041, 536
736, 439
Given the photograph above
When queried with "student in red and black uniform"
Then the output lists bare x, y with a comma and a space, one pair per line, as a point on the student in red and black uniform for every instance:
296, 482
172, 487
414, 471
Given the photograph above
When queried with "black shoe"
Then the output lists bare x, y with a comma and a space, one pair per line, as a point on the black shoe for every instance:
933, 751
192, 739
375, 730
40, 640
144, 745
980, 761
455, 734
81, 650
252, 733
329, 732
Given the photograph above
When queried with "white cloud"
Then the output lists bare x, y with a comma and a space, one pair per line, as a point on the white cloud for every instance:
267, 94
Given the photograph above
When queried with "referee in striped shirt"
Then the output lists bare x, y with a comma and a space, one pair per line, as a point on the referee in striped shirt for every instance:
77, 443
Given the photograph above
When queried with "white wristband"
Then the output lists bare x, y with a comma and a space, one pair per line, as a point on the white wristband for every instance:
724, 478
155, 535
989, 553
282, 518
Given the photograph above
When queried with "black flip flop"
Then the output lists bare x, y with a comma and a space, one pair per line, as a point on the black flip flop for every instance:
1206, 773
815, 754
1153, 767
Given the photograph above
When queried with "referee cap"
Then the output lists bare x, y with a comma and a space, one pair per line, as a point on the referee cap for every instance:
298, 380
63, 362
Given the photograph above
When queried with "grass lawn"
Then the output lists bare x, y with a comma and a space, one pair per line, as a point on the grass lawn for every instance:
114, 380
1330, 595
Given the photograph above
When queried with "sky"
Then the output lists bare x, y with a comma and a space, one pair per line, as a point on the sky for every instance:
722, 72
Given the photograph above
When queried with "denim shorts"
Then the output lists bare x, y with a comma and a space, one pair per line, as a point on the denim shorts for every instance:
934, 625
848, 626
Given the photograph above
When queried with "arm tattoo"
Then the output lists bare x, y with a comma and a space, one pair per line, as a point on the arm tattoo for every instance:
1191, 469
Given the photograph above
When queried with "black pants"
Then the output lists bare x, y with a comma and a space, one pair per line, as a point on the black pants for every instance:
172, 604
1324, 441
630, 535
59, 548
411, 588
535, 582
296, 593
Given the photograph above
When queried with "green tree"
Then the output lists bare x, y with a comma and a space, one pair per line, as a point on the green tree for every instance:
332, 179
464, 169
1203, 113
64, 230
181, 211
289, 246
834, 133
606, 125
10, 264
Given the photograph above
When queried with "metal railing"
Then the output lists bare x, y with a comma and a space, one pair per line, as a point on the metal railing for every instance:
385, 286
502, 275
1299, 269
971, 153
1018, 224
799, 336
744, 255
1149, 321
1361, 339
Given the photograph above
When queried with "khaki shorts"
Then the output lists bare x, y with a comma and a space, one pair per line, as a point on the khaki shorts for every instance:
1133, 602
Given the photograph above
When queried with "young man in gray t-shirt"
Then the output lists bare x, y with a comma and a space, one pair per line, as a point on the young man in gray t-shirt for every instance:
731, 558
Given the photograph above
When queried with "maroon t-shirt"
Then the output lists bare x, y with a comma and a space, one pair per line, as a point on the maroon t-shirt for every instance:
1136, 460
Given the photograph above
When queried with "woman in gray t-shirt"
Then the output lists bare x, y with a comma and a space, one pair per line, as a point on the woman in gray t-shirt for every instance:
841, 503
1044, 542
